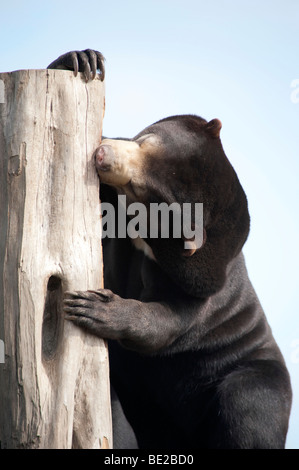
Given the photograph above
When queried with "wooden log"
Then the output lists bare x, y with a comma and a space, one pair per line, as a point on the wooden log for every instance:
54, 384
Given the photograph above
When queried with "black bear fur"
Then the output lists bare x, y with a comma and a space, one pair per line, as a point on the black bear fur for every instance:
193, 360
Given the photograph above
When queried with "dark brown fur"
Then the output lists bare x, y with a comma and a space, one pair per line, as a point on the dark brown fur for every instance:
193, 360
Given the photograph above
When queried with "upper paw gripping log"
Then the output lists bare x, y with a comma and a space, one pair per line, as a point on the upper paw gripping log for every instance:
87, 61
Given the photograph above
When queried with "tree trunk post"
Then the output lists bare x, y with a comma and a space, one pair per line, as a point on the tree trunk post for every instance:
54, 382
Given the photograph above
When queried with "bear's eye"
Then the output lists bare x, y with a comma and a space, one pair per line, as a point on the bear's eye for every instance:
148, 139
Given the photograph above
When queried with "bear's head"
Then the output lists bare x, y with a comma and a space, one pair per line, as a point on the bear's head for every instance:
180, 160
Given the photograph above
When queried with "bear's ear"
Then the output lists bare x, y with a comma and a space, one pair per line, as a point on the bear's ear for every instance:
213, 128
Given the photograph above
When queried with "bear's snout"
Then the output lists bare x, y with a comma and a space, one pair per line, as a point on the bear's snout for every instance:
104, 157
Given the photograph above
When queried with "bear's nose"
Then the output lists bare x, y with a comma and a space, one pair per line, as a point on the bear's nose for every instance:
104, 157
101, 153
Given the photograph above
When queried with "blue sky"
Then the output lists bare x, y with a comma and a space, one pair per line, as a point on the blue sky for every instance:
231, 59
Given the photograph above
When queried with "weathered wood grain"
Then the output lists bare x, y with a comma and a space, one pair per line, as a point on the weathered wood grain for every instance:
54, 384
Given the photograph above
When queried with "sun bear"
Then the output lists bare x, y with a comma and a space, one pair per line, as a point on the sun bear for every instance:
192, 357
